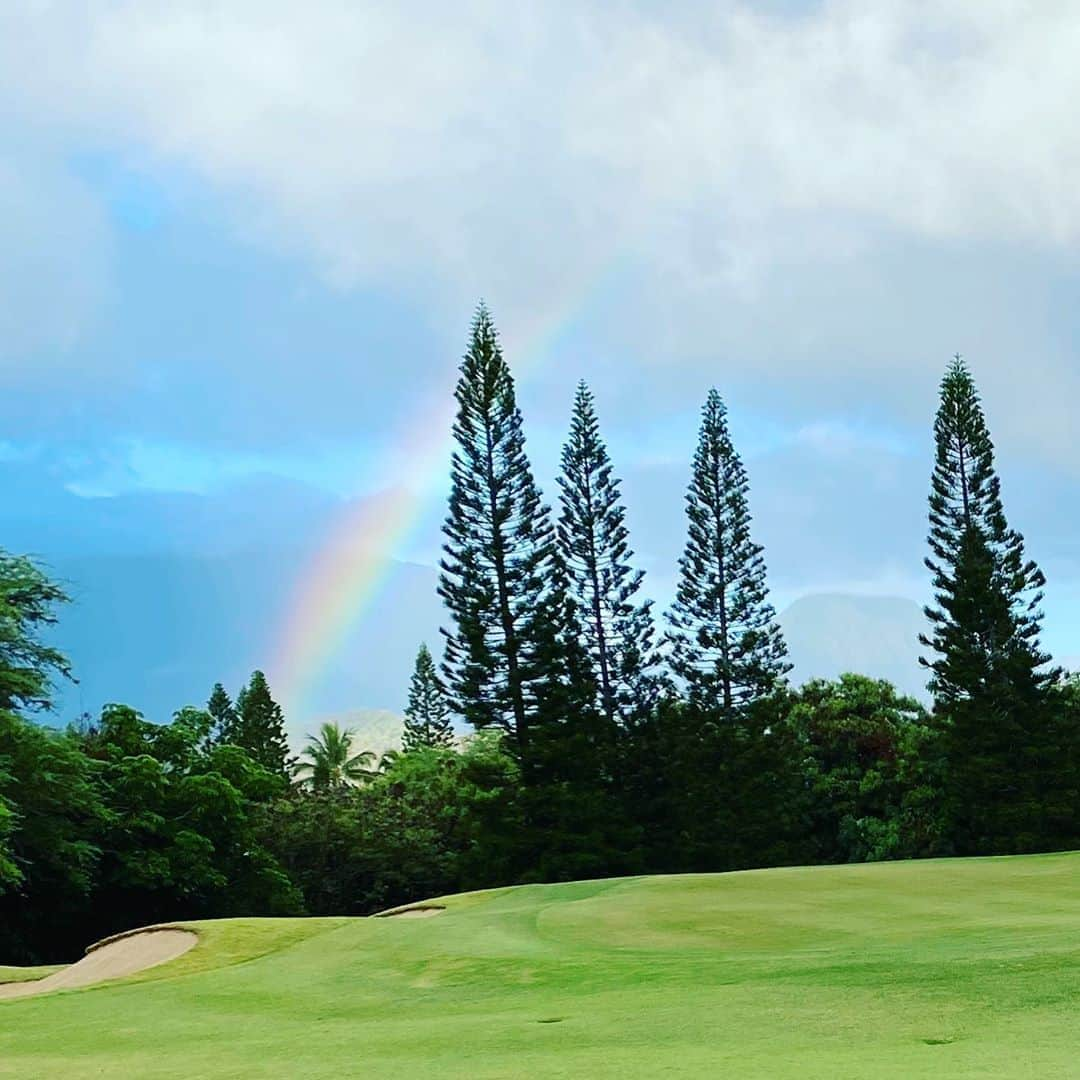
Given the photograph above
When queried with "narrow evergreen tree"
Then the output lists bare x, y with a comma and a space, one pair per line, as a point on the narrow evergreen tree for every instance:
260, 726
988, 675
427, 722
502, 654
617, 631
986, 622
725, 641
220, 708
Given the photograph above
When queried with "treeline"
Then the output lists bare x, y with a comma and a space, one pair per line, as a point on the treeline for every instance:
604, 740
117, 822
682, 747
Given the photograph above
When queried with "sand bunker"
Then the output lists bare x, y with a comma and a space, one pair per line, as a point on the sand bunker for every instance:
113, 958
419, 912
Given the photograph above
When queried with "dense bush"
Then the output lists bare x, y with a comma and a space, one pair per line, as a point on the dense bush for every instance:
434, 821
869, 757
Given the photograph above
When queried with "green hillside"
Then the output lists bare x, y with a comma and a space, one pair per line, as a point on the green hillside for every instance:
941, 968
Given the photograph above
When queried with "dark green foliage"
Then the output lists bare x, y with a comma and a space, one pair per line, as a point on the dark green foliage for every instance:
260, 727
28, 600
574, 826
726, 644
177, 839
427, 719
986, 623
223, 715
9, 872
718, 791
329, 762
471, 802
435, 822
872, 764
1058, 821
988, 675
501, 662
616, 627
121, 822
47, 805
56, 826
715, 776
573, 819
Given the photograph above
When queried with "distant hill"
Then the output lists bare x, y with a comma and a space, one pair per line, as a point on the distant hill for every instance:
831, 633
173, 592
157, 631
206, 597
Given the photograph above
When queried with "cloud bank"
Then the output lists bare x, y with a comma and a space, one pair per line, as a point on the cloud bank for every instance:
838, 194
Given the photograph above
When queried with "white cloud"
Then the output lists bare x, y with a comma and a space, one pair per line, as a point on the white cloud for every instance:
747, 165
53, 259
383, 135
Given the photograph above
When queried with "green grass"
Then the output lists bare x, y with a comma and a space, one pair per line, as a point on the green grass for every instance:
26, 974
956, 968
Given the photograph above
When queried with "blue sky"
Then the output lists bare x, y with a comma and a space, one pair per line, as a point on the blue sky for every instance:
240, 245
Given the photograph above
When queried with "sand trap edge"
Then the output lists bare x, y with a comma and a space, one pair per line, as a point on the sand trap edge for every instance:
92, 971
411, 911
113, 938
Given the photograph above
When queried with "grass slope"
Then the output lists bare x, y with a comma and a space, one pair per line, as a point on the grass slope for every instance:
26, 974
958, 968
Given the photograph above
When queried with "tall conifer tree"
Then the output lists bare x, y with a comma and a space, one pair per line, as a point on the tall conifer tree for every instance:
427, 722
985, 625
260, 726
988, 675
502, 659
617, 629
725, 641
223, 713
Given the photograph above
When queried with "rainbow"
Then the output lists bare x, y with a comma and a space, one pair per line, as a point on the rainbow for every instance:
337, 587
339, 584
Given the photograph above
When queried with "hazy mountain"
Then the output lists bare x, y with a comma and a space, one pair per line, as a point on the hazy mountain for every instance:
157, 631
830, 633
173, 592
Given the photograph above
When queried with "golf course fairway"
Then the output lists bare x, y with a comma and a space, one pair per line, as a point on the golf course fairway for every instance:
941, 968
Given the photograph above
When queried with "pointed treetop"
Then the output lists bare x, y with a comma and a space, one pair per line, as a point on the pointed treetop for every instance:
726, 642
496, 570
614, 628
986, 616
427, 723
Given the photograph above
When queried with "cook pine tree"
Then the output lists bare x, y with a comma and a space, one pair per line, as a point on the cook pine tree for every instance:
726, 644
988, 674
504, 661
616, 625
223, 714
260, 727
427, 719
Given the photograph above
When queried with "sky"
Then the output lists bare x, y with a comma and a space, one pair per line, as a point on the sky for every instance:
241, 243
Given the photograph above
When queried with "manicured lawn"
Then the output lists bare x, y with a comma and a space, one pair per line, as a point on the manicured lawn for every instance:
25, 974
933, 969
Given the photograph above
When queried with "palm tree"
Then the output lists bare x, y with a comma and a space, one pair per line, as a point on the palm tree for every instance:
327, 762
